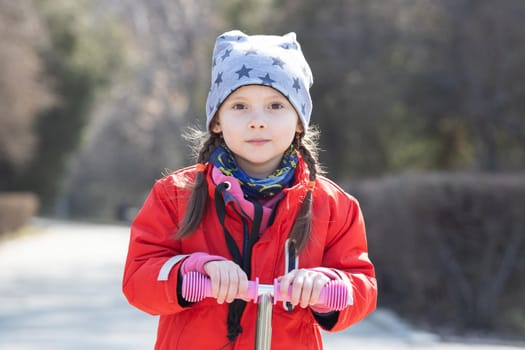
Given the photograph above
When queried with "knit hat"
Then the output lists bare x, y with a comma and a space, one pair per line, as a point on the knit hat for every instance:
270, 60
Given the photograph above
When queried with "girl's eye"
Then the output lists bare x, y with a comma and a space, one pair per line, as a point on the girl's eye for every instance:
239, 106
276, 105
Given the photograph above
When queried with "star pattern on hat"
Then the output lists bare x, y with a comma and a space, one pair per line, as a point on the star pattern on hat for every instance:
277, 62
218, 80
305, 70
238, 62
243, 72
266, 80
288, 46
226, 54
296, 85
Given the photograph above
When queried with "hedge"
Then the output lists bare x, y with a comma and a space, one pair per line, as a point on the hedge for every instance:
449, 249
16, 209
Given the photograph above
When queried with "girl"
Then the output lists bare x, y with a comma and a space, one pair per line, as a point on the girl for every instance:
254, 206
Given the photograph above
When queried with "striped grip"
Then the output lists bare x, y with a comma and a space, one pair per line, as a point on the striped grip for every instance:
334, 295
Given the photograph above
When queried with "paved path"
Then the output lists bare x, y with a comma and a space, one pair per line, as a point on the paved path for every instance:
60, 290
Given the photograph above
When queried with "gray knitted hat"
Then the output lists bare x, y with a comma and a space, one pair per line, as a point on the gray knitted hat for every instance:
276, 61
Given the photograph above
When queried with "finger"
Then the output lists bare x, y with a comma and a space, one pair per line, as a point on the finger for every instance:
297, 286
215, 282
285, 283
306, 292
223, 286
318, 285
233, 285
212, 269
243, 283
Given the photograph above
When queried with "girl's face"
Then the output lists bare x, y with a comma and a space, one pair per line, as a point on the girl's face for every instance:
258, 125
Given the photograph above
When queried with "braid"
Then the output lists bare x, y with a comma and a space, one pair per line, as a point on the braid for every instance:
199, 194
301, 230
208, 146
310, 161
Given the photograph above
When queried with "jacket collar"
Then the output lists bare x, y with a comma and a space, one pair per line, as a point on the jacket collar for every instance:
300, 186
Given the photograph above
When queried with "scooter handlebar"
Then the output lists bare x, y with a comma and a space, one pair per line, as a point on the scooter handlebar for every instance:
334, 295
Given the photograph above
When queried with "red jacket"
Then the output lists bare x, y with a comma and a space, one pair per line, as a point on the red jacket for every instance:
151, 275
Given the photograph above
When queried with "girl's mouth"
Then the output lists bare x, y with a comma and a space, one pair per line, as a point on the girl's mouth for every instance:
258, 142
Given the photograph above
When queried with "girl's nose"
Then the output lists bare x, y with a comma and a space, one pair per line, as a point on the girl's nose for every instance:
257, 121
257, 125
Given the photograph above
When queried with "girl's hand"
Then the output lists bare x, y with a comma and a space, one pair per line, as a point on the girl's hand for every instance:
227, 280
305, 284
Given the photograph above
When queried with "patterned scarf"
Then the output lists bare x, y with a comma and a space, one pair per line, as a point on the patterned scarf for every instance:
223, 159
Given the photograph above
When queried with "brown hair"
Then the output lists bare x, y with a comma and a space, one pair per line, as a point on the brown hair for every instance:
205, 143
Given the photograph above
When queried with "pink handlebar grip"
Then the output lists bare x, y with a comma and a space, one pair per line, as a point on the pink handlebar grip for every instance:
196, 286
334, 295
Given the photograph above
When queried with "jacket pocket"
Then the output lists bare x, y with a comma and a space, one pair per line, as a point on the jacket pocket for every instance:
295, 330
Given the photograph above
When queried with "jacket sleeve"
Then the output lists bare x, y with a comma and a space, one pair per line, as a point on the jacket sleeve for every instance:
154, 257
347, 254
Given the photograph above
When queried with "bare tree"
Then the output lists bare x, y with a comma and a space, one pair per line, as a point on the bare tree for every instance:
472, 77
22, 88
136, 134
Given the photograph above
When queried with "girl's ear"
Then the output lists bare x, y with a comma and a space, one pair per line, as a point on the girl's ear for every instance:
299, 129
216, 127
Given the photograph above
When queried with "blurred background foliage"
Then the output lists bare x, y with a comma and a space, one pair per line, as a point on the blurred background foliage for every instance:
399, 86
95, 94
